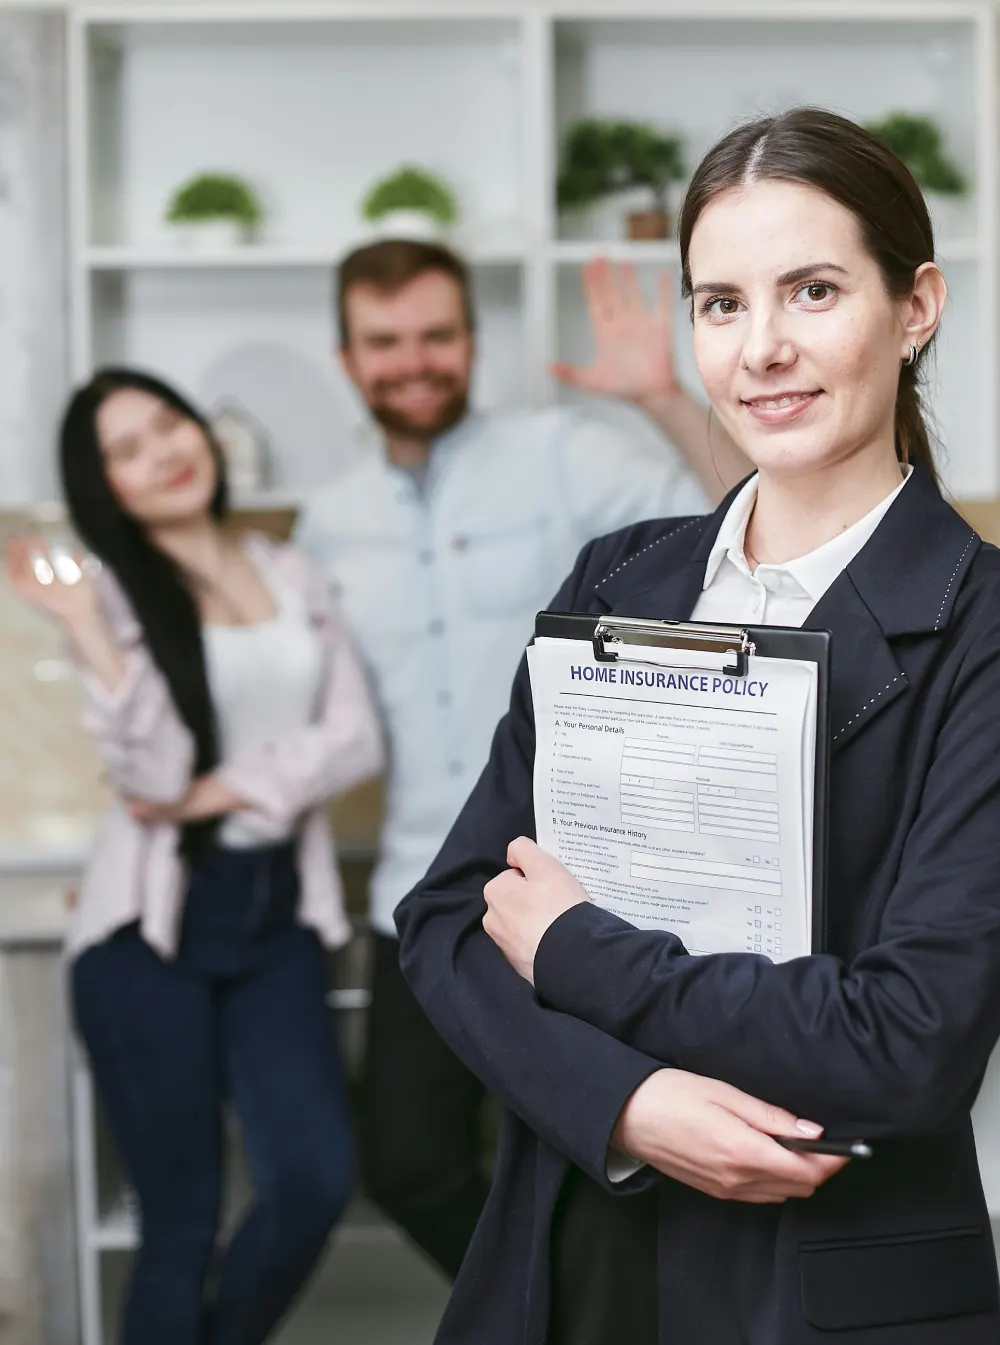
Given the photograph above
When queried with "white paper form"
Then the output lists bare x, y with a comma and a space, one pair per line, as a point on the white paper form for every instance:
681, 798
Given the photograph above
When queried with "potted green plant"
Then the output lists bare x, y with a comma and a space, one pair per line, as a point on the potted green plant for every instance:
919, 143
603, 158
215, 210
410, 202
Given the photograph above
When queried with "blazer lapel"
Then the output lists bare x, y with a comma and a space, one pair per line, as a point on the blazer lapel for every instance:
671, 598
864, 674
663, 580
903, 582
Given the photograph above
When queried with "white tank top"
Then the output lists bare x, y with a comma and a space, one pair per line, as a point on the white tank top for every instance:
264, 680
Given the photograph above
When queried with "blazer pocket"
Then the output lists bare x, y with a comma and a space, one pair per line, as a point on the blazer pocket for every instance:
888, 1281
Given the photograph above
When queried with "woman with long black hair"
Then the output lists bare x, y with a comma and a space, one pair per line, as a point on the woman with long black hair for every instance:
640, 1194
229, 707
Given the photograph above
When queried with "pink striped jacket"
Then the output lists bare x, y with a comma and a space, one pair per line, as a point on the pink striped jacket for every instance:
135, 872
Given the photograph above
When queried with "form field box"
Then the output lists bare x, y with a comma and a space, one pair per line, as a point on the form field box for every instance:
635, 785
706, 873
733, 756
739, 833
637, 804
761, 814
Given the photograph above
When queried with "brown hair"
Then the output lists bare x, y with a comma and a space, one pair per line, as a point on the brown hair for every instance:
819, 149
394, 262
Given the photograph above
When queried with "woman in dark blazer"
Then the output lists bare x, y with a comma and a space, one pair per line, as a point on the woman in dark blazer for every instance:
808, 256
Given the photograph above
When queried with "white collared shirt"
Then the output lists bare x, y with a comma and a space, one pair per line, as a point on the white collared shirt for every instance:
776, 595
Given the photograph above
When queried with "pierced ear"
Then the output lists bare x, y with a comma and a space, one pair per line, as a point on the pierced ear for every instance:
926, 305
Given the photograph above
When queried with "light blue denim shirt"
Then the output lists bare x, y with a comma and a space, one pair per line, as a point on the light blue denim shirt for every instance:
441, 586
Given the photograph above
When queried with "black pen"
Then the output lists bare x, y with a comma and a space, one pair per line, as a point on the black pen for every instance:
839, 1148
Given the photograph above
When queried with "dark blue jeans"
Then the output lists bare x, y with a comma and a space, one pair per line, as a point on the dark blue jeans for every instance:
239, 1016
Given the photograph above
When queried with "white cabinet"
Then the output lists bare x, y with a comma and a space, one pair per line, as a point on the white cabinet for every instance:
313, 105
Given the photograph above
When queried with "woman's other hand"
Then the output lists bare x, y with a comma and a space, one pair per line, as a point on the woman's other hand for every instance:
60, 582
53, 579
525, 900
710, 1136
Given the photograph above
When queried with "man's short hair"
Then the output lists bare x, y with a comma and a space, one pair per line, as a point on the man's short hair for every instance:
392, 263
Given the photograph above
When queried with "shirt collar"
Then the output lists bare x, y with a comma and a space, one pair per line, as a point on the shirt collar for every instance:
370, 435
813, 572
729, 539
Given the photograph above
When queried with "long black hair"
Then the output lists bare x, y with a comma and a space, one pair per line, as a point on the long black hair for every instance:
154, 584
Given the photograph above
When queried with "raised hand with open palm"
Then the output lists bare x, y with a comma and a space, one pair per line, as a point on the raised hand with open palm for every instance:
635, 359
61, 583
52, 579
634, 354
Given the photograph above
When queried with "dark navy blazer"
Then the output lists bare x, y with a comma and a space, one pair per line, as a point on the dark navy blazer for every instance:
885, 1035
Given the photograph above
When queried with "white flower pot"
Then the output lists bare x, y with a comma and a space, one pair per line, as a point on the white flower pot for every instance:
408, 224
217, 235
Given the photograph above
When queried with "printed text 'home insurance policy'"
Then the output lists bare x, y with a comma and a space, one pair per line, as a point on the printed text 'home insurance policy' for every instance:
681, 798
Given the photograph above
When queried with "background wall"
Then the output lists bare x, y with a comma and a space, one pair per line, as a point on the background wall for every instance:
656, 6
49, 774
33, 343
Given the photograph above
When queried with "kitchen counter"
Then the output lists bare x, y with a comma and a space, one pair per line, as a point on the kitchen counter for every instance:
35, 902
36, 883
37, 878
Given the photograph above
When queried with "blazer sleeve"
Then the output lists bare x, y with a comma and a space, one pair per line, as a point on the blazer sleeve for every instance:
282, 777
893, 1043
567, 1080
146, 748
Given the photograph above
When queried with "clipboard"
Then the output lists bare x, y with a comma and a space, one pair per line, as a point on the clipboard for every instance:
728, 649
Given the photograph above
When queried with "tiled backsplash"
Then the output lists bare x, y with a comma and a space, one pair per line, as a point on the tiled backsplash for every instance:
51, 789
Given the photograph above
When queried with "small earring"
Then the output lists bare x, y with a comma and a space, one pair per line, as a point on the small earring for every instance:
911, 359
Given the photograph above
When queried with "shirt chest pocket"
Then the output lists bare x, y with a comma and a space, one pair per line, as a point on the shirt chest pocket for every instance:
509, 567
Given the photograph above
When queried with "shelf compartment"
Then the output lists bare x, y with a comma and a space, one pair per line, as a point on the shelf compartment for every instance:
311, 112
698, 77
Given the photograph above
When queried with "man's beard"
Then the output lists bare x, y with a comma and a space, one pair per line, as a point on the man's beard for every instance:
398, 422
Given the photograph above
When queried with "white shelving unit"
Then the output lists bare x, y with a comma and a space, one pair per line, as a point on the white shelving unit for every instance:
313, 103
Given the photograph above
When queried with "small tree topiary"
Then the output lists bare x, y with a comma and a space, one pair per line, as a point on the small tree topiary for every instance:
919, 143
411, 188
600, 158
215, 196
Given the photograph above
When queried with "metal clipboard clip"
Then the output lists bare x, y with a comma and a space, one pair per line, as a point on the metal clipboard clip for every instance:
723, 649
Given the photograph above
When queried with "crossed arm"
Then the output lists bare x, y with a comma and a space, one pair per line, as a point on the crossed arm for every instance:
583, 1089
893, 1042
